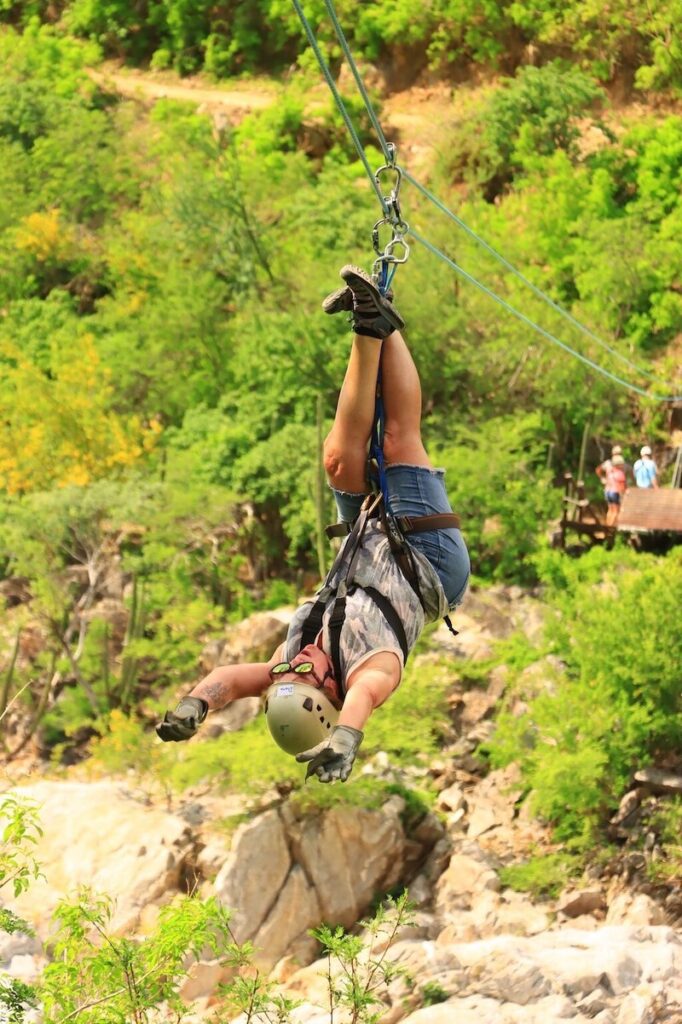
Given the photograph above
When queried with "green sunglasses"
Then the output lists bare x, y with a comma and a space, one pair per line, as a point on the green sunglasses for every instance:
305, 668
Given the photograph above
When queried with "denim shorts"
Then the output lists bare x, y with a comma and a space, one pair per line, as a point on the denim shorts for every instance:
420, 491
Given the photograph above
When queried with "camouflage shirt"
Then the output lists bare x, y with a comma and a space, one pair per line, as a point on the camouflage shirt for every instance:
365, 630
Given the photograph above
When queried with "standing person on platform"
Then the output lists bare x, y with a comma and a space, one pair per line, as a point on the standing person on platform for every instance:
645, 471
615, 486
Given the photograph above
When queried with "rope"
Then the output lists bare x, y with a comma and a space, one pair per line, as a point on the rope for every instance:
358, 79
541, 330
457, 220
459, 270
517, 273
339, 102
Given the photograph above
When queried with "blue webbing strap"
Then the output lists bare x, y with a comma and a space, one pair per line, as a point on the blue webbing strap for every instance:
377, 465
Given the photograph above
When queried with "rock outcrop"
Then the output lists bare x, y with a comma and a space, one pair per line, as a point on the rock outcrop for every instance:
476, 951
98, 834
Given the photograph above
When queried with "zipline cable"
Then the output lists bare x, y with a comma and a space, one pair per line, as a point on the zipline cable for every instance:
541, 330
529, 284
339, 101
428, 245
340, 35
331, 10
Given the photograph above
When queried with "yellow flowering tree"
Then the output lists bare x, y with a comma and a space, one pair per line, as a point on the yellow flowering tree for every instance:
57, 426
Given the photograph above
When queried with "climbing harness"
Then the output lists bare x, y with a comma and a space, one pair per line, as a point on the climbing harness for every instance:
340, 583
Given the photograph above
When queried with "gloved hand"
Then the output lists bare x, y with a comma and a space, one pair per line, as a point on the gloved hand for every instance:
182, 723
333, 758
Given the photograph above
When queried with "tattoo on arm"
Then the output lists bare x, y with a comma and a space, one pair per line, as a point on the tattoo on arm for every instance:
215, 693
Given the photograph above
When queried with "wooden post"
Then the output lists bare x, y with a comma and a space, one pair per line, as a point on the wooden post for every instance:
583, 444
676, 470
568, 479
320, 494
580, 507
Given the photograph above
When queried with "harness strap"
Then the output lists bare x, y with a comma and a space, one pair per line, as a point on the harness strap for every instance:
314, 621
420, 524
313, 624
407, 524
336, 621
391, 616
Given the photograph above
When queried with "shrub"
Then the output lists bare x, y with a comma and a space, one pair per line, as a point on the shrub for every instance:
666, 822
498, 483
543, 877
533, 114
617, 704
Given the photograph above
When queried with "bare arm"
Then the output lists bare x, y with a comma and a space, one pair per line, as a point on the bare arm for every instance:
232, 682
368, 687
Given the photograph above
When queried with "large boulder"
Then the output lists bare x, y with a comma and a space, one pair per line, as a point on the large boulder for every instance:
286, 874
98, 835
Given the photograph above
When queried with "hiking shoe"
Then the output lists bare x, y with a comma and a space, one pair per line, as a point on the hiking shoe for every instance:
341, 301
373, 315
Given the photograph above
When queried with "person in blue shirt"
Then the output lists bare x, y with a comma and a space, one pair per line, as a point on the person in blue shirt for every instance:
646, 474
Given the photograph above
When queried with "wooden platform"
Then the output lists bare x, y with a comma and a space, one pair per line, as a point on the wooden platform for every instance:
651, 510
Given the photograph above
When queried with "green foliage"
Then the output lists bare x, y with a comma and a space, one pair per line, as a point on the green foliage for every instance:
183, 582
103, 978
534, 114
498, 482
411, 724
433, 993
543, 876
15, 998
247, 761
666, 822
617, 703
20, 831
353, 988
444, 34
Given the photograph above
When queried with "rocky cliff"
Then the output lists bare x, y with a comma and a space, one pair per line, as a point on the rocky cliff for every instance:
605, 951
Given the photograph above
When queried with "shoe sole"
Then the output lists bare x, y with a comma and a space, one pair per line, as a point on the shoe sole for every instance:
355, 275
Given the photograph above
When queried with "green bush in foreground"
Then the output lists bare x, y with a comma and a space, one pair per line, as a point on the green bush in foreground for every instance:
99, 977
616, 705
19, 832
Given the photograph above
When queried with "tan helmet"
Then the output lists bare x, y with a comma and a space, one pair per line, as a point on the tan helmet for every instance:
299, 716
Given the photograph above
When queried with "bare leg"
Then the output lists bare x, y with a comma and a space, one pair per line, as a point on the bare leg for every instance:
402, 403
345, 449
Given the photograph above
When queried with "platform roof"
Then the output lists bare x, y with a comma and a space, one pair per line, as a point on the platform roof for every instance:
645, 510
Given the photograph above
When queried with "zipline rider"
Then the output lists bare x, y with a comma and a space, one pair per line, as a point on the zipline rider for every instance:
345, 651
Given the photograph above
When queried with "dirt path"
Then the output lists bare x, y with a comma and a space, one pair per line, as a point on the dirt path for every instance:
230, 100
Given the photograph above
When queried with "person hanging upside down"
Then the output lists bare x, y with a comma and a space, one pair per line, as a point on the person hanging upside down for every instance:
400, 566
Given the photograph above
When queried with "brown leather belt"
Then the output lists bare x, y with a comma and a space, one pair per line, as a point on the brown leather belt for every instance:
420, 524
407, 524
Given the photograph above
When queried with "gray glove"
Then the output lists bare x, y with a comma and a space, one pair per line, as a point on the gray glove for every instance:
182, 723
333, 758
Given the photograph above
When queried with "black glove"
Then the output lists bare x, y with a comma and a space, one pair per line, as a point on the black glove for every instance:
182, 723
333, 758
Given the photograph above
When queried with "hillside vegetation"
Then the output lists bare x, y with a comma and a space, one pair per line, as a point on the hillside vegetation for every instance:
166, 370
